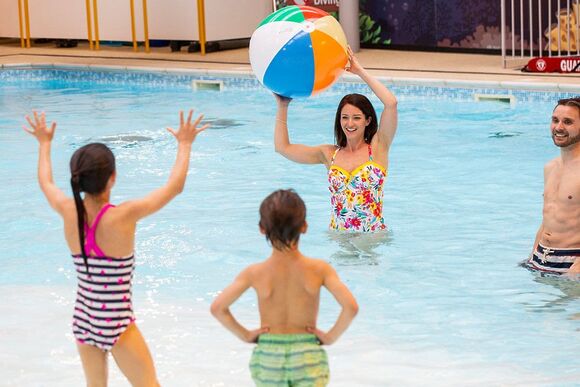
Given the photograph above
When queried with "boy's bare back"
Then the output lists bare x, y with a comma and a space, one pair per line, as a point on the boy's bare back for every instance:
287, 283
288, 288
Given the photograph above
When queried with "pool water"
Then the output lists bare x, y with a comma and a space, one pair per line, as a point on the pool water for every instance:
442, 298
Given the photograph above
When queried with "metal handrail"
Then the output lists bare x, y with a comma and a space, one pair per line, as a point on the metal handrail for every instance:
133, 34
27, 23
561, 37
201, 24
89, 26
20, 26
146, 26
96, 22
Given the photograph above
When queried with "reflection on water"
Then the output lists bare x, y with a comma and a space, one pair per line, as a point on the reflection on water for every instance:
504, 134
568, 286
117, 141
124, 138
358, 248
222, 123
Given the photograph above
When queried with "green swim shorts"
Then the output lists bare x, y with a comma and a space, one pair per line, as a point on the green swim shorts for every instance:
289, 360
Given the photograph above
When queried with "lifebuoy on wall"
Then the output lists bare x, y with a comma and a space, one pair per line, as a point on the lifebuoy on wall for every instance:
570, 64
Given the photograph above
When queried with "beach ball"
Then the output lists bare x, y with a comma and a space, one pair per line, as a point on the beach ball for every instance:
298, 51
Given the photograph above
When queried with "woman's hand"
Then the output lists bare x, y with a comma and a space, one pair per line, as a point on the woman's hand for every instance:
39, 129
188, 131
281, 100
353, 66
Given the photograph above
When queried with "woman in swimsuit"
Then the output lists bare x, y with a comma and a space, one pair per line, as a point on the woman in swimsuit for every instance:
101, 239
357, 164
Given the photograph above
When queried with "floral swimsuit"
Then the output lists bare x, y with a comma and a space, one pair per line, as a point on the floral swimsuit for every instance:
357, 197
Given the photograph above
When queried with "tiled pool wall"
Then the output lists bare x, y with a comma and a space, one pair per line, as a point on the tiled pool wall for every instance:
439, 89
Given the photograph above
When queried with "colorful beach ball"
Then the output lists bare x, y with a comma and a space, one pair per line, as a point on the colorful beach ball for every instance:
298, 51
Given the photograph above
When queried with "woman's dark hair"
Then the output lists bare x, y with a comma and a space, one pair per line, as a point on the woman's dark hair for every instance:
282, 216
363, 103
91, 166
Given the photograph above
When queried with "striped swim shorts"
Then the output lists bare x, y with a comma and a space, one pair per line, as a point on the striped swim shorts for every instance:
552, 260
289, 360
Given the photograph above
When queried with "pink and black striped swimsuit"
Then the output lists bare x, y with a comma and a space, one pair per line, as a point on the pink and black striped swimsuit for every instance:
103, 308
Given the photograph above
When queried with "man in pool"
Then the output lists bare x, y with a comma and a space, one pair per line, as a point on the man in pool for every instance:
557, 245
288, 289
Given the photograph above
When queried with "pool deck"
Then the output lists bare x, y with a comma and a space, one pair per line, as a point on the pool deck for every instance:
405, 66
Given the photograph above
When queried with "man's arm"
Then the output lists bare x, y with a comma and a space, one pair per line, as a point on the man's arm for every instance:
538, 236
547, 170
575, 268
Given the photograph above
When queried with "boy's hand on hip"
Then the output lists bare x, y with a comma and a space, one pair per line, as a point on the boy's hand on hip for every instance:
324, 337
252, 336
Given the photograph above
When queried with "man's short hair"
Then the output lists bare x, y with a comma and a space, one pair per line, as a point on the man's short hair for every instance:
282, 217
574, 102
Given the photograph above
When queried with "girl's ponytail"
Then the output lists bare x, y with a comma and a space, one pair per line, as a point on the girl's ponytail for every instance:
81, 212
91, 166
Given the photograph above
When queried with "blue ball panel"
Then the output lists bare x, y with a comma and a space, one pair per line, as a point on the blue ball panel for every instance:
291, 71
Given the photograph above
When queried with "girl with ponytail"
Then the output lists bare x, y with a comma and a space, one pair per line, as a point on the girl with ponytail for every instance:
101, 238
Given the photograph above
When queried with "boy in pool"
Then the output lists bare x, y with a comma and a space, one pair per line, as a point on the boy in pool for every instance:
288, 288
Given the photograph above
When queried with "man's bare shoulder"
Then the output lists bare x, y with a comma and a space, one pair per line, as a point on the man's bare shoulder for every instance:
552, 164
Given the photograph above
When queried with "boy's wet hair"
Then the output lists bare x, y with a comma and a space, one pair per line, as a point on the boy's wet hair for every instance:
574, 102
282, 217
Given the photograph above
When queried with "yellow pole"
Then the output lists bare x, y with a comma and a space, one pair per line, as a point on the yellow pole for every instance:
96, 19
27, 23
146, 26
201, 24
132, 5
89, 26
20, 24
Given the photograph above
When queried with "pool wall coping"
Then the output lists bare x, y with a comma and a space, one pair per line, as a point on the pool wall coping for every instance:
346, 78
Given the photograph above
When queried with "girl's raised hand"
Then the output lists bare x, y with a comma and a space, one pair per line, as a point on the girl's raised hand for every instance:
38, 127
188, 130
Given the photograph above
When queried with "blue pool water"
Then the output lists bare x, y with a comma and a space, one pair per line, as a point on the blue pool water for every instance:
443, 300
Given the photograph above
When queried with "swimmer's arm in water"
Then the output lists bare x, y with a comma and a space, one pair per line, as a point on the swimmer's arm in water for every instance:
345, 299
538, 236
220, 308
157, 199
575, 268
388, 122
547, 170
55, 196
298, 153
